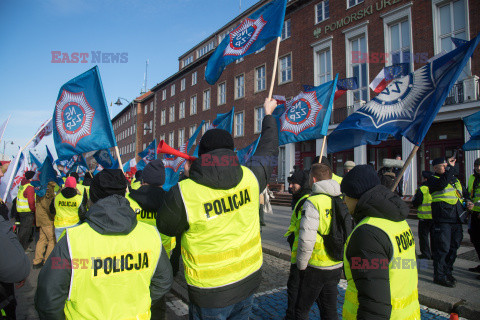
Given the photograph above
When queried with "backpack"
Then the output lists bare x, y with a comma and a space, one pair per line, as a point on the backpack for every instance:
342, 225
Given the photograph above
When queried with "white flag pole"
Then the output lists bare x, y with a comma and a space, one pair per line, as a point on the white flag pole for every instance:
274, 73
12, 175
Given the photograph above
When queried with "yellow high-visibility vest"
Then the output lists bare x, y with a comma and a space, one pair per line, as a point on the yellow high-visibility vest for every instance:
111, 274
425, 209
150, 217
22, 202
474, 194
136, 184
451, 194
320, 257
66, 210
402, 271
295, 218
337, 178
223, 244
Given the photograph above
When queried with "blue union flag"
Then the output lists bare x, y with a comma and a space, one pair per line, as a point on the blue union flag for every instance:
252, 34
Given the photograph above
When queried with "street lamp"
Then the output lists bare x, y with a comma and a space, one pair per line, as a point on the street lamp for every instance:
119, 103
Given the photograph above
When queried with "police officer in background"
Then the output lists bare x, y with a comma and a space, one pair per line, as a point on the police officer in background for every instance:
25, 206
423, 202
216, 211
379, 260
120, 266
474, 227
448, 214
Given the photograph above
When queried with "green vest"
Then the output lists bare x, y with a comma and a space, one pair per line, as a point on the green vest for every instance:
136, 184
451, 194
474, 194
66, 210
425, 209
402, 271
320, 257
295, 218
22, 202
111, 274
150, 217
223, 244
337, 178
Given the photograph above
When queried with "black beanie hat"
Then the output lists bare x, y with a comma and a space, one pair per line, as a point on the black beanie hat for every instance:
106, 183
438, 161
477, 162
138, 175
299, 177
154, 173
324, 161
29, 175
359, 180
215, 139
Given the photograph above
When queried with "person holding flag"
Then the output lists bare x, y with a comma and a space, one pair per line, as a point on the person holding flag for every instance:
215, 210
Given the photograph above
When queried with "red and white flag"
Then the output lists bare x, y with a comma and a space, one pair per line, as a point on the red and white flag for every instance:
379, 83
46, 129
12, 178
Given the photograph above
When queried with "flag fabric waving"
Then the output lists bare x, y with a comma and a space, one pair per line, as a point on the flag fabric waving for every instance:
130, 166
307, 115
35, 164
174, 164
246, 153
14, 175
47, 174
472, 122
147, 155
387, 74
45, 129
252, 34
407, 107
458, 42
223, 121
80, 166
105, 159
81, 119
343, 85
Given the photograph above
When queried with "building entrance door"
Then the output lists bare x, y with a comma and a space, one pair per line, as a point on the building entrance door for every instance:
437, 149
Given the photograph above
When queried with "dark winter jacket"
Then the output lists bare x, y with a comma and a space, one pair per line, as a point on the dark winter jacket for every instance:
147, 197
443, 212
418, 197
108, 216
172, 218
369, 242
70, 193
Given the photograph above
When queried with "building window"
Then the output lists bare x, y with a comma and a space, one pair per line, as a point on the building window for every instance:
239, 124
239, 86
172, 114
281, 163
145, 109
260, 78
194, 78
181, 110
144, 146
187, 61
358, 69
322, 11
164, 94
224, 34
260, 50
182, 84
172, 90
193, 105
206, 126
286, 30
163, 117
399, 36
324, 73
259, 115
181, 136
206, 99
222, 93
351, 3
192, 131
151, 108
205, 49
171, 139
162, 137
285, 73
150, 126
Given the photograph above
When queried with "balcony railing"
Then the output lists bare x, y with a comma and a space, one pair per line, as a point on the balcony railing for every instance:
455, 95
340, 114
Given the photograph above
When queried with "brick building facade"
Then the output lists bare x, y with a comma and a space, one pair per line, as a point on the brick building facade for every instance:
320, 39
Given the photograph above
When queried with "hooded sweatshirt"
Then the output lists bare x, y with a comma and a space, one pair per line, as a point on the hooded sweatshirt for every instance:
310, 222
109, 216
172, 217
369, 242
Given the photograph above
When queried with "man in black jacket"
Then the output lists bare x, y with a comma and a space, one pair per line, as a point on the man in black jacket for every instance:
217, 172
448, 214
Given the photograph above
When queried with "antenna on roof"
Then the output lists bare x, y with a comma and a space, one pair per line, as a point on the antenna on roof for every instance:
240, 6
146, 74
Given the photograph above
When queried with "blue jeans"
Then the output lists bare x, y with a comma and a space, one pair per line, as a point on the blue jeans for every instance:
238, 311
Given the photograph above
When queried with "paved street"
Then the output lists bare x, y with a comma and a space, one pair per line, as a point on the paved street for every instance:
271, 299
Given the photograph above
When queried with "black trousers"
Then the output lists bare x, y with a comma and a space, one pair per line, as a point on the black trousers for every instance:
26, 228
447, 240
425, 235
293, 284
474, 231
318, 286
